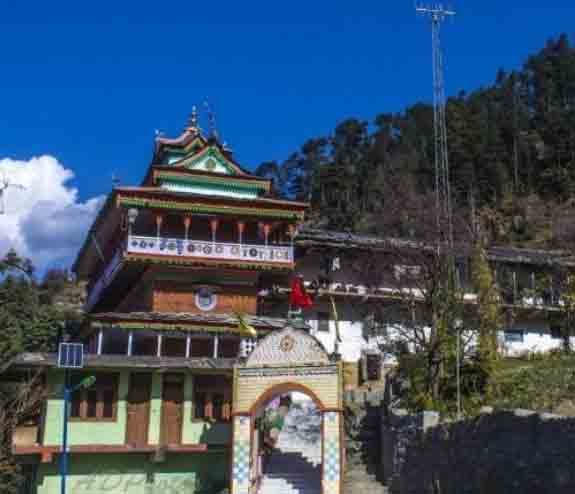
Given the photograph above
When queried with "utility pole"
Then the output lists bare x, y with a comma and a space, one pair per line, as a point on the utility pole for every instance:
444, 217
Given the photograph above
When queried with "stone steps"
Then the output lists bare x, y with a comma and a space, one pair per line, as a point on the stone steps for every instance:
358, 480
294, 466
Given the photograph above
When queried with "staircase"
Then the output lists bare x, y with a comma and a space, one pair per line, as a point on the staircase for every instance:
363, 450
294, 466
359, 480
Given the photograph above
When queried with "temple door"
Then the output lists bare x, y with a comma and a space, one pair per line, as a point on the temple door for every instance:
138, 409
172, 409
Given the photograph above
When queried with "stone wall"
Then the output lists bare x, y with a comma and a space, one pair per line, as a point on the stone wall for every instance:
362, 442
496, 453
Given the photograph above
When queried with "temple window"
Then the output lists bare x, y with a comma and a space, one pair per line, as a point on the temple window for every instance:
556, 332
145, 344
404, 272
202, 347
115, 342
173, 347
98, 402
212, 398
323, 321
514, 336
228, 348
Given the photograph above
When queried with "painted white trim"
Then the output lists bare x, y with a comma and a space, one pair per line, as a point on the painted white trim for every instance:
208, 191
100, 341
159, 347
178, 247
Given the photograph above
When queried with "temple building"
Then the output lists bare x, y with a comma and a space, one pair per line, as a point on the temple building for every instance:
187, 367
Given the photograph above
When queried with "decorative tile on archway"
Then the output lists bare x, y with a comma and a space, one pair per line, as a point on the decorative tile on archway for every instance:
331, 453
286, 361
241, 456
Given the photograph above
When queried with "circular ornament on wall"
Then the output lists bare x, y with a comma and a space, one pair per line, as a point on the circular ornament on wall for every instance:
206, 299
287, 343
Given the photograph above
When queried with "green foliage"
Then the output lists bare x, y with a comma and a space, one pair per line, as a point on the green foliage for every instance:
28, 322
545, 384
10, 475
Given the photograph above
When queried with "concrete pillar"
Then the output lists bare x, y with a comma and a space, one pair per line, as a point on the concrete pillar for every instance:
216, 343
188, 346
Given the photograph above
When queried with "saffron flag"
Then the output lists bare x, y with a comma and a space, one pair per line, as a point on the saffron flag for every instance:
244, 327
298, 296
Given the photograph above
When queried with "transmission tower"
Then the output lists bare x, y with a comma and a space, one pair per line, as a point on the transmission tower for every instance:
437, 14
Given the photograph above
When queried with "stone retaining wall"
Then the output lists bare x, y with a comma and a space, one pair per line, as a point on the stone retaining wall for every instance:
496, 453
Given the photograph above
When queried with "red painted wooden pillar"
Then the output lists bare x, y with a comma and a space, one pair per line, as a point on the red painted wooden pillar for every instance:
241, 228
267, 230
214, 223
187, 224
159, 221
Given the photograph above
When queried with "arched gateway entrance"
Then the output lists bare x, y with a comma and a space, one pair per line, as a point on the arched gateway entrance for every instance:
288, 363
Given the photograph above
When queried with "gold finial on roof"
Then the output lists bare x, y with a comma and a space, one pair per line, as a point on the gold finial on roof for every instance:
193, 121
211, 120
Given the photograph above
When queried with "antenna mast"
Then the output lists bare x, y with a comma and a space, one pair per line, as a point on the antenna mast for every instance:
437, 14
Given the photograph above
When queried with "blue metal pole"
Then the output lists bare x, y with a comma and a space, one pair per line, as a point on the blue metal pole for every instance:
64, 454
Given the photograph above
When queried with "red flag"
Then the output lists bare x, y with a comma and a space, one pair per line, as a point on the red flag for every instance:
298, 296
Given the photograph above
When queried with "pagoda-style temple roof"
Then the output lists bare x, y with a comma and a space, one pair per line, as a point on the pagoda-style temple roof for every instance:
92, 361
157, 198
192, 174
183, 321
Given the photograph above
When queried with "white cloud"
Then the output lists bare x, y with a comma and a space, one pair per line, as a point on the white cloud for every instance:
43, 221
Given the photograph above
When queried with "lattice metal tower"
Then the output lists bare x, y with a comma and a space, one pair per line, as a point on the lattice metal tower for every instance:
437, 14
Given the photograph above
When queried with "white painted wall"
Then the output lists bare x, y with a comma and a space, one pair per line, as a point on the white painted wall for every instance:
351, 333
537, 338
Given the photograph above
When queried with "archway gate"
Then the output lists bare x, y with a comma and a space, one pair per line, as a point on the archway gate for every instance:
285, 361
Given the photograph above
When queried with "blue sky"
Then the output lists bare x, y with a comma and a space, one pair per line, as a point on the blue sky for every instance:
88, 82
